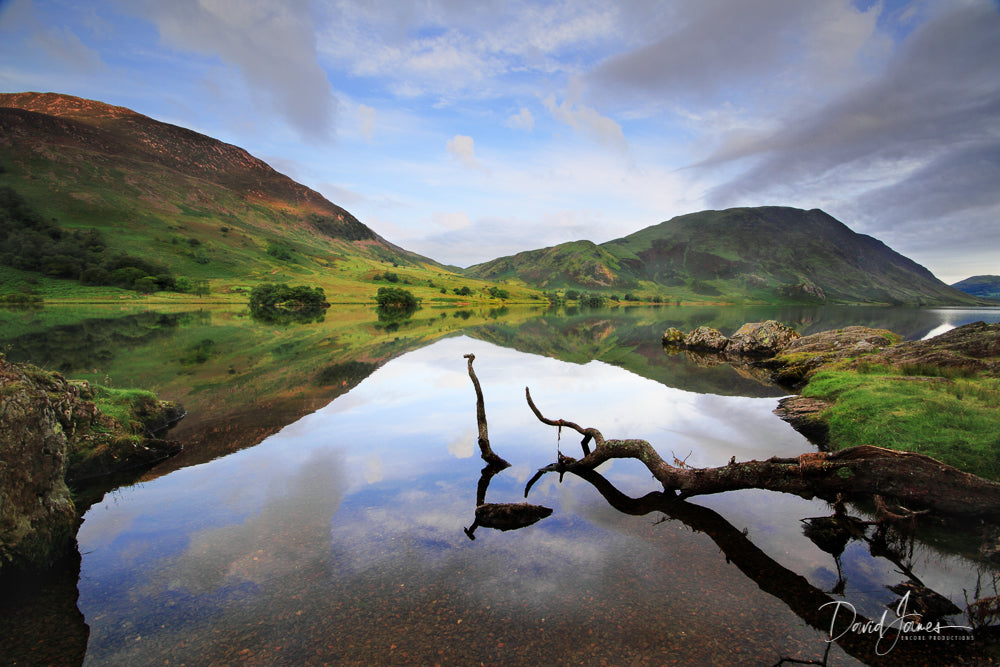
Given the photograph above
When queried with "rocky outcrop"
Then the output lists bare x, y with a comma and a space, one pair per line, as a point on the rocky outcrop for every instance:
37, 516
793, 365
761, 339
805, 416
673, 336
754, 339
973, 347
51, 431
706, 338
703, 339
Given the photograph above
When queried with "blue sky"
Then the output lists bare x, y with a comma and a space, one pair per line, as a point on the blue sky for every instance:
469, 130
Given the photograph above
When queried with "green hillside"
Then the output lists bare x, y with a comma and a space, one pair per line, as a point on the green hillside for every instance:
766, 254
986, 287
203, 210
573, 264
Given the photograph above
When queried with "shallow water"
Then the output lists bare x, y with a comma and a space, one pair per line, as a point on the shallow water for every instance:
340, 539
319, 514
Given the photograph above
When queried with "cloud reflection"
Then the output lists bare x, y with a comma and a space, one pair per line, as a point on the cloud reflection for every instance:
292, 528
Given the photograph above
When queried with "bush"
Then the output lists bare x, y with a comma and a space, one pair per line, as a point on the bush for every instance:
31, 243
281, 303
395, 298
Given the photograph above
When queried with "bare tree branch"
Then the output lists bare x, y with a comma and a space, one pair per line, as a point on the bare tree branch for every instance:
856, 473
484, 437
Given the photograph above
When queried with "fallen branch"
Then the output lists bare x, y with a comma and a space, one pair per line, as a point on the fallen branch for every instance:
858, 473
484, 438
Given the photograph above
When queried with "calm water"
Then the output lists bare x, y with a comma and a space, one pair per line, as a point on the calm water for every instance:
337, 537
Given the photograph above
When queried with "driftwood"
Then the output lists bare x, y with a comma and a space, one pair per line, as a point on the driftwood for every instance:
860, 473
887, 478
499, 516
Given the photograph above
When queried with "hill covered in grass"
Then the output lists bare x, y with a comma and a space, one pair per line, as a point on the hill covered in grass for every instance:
767, 254
191, 206
987, 287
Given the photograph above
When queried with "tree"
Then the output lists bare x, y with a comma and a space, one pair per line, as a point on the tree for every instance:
281, 303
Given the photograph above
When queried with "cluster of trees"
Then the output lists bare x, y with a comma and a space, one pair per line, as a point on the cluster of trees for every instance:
31, 243
283, 304
596, 299
388, 276
396, 299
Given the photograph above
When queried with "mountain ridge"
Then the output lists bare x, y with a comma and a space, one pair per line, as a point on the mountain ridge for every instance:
209, 209
985, 286
101, 129
767, 254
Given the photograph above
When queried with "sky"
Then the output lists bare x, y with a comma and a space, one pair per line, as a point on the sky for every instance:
466, 131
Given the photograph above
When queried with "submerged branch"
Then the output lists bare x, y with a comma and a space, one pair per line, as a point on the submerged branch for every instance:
484, 439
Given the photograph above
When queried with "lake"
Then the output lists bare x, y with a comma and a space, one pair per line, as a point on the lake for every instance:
320, 512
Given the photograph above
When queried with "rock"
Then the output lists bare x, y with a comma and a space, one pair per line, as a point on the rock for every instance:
37, 517
804, 415
804, 291
974, 347
803, 356
51, 433
761, 339
673, 336
706, 338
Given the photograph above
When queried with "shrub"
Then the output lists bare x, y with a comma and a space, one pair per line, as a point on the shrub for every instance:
281, 303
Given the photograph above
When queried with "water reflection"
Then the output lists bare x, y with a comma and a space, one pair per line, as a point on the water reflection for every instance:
340, 539
319, 511
499, 516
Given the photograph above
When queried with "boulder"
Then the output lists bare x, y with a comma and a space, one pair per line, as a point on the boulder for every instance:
761, 339
38, 520
673, 336
51, 433
706, 338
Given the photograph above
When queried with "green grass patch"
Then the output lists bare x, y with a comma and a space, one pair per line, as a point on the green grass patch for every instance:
121, 404
956, 421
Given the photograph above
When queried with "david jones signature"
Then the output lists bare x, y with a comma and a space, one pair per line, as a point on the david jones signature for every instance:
888, 632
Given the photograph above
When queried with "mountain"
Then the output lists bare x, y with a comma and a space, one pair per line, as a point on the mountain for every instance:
194, 205
769, 254
987, 287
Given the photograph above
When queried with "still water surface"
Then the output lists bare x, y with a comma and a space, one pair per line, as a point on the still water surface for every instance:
339, 539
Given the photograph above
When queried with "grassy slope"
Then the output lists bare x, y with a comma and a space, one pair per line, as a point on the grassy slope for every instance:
951, 419
982, 286
748, 255
95, 169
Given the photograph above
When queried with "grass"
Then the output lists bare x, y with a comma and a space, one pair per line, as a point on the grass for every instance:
953, 419
120, 404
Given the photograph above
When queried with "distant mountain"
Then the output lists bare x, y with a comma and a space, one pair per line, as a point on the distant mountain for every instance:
987, 287
768, 254
200, 206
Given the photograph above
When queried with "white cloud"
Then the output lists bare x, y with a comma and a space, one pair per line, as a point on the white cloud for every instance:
586, 120
271, 43
463, 149
451, 221
366, 121
522, 120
